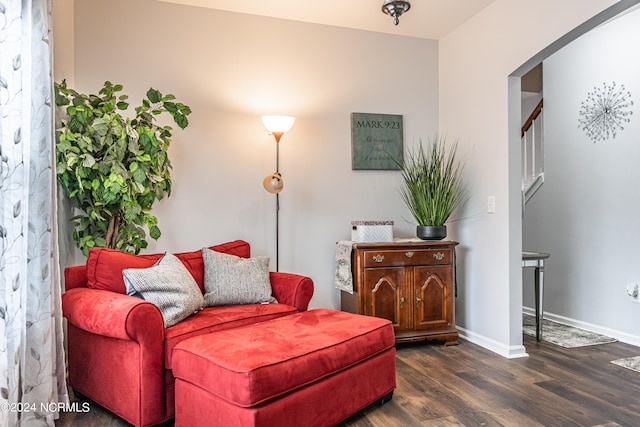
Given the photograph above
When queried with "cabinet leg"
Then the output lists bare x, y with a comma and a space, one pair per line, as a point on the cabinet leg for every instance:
451, 341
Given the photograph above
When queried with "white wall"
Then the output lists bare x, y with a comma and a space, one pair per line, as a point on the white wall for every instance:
63, 60
585, 215
232, 68
475, 94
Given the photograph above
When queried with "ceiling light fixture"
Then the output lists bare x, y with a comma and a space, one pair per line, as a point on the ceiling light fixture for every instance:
395, 8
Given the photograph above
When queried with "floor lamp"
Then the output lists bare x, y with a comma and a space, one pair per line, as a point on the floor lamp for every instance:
278, 126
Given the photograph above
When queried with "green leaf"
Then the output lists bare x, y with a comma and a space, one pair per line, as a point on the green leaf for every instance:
171, 107
104, 167
154, 95
139, 176
139, 188
72, 159
181, 120
133, 147
101, 126
154, 232
144, 140
132, 212
184, 108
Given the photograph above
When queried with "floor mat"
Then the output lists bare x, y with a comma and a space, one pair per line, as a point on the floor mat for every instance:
632, 363
563, 335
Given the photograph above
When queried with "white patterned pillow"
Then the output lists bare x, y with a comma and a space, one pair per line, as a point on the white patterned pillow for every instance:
167, 284
232, 280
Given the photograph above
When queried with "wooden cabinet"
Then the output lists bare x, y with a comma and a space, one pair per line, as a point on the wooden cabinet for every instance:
410, 283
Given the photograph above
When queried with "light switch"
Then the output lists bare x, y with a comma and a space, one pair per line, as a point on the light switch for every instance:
491, 204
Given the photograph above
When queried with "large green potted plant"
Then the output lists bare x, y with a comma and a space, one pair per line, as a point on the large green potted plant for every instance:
113, 168
433, 186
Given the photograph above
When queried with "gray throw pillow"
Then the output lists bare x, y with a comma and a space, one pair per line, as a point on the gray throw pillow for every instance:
232, 280
167, 284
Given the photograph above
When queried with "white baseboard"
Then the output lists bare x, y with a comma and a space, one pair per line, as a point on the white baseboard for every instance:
510, 352
619, 335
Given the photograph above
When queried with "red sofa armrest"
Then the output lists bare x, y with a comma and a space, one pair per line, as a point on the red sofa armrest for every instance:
114, 315
102, 327
292, 289
75, 277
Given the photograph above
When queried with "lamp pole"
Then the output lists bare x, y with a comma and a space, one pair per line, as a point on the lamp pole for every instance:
278, 203
278, 126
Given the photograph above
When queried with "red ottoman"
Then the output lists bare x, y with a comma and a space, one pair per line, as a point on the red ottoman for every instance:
314, 368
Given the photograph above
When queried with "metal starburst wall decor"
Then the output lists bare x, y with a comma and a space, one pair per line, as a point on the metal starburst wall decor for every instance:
605, 112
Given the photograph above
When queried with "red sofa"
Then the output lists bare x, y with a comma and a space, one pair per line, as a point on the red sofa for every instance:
119, 353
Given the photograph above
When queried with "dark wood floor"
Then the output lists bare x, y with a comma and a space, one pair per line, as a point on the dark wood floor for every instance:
466, 385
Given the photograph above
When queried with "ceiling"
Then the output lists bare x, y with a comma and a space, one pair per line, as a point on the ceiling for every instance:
428, 19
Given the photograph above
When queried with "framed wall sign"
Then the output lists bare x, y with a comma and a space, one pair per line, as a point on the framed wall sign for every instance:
376, 141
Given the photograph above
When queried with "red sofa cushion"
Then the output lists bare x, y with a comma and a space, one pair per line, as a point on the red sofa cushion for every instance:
212, 319
253, 364
104, 266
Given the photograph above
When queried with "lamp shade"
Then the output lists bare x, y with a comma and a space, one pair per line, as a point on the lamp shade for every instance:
278, 124
273, 183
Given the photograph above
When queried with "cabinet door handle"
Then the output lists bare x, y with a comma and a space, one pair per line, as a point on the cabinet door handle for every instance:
378, 258
438, 256
409, 254
401, 298
418, 298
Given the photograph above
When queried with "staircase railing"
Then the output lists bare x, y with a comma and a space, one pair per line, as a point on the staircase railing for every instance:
532, 153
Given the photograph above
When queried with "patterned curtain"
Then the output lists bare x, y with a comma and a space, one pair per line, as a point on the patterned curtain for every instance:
32, 370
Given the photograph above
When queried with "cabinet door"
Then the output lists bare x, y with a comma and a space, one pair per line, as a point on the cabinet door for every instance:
432, 297
385, 294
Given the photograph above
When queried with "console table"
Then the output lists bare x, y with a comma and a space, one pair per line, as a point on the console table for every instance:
536, 260
408, 282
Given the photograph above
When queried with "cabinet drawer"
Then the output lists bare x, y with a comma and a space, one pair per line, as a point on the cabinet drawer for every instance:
407, 256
